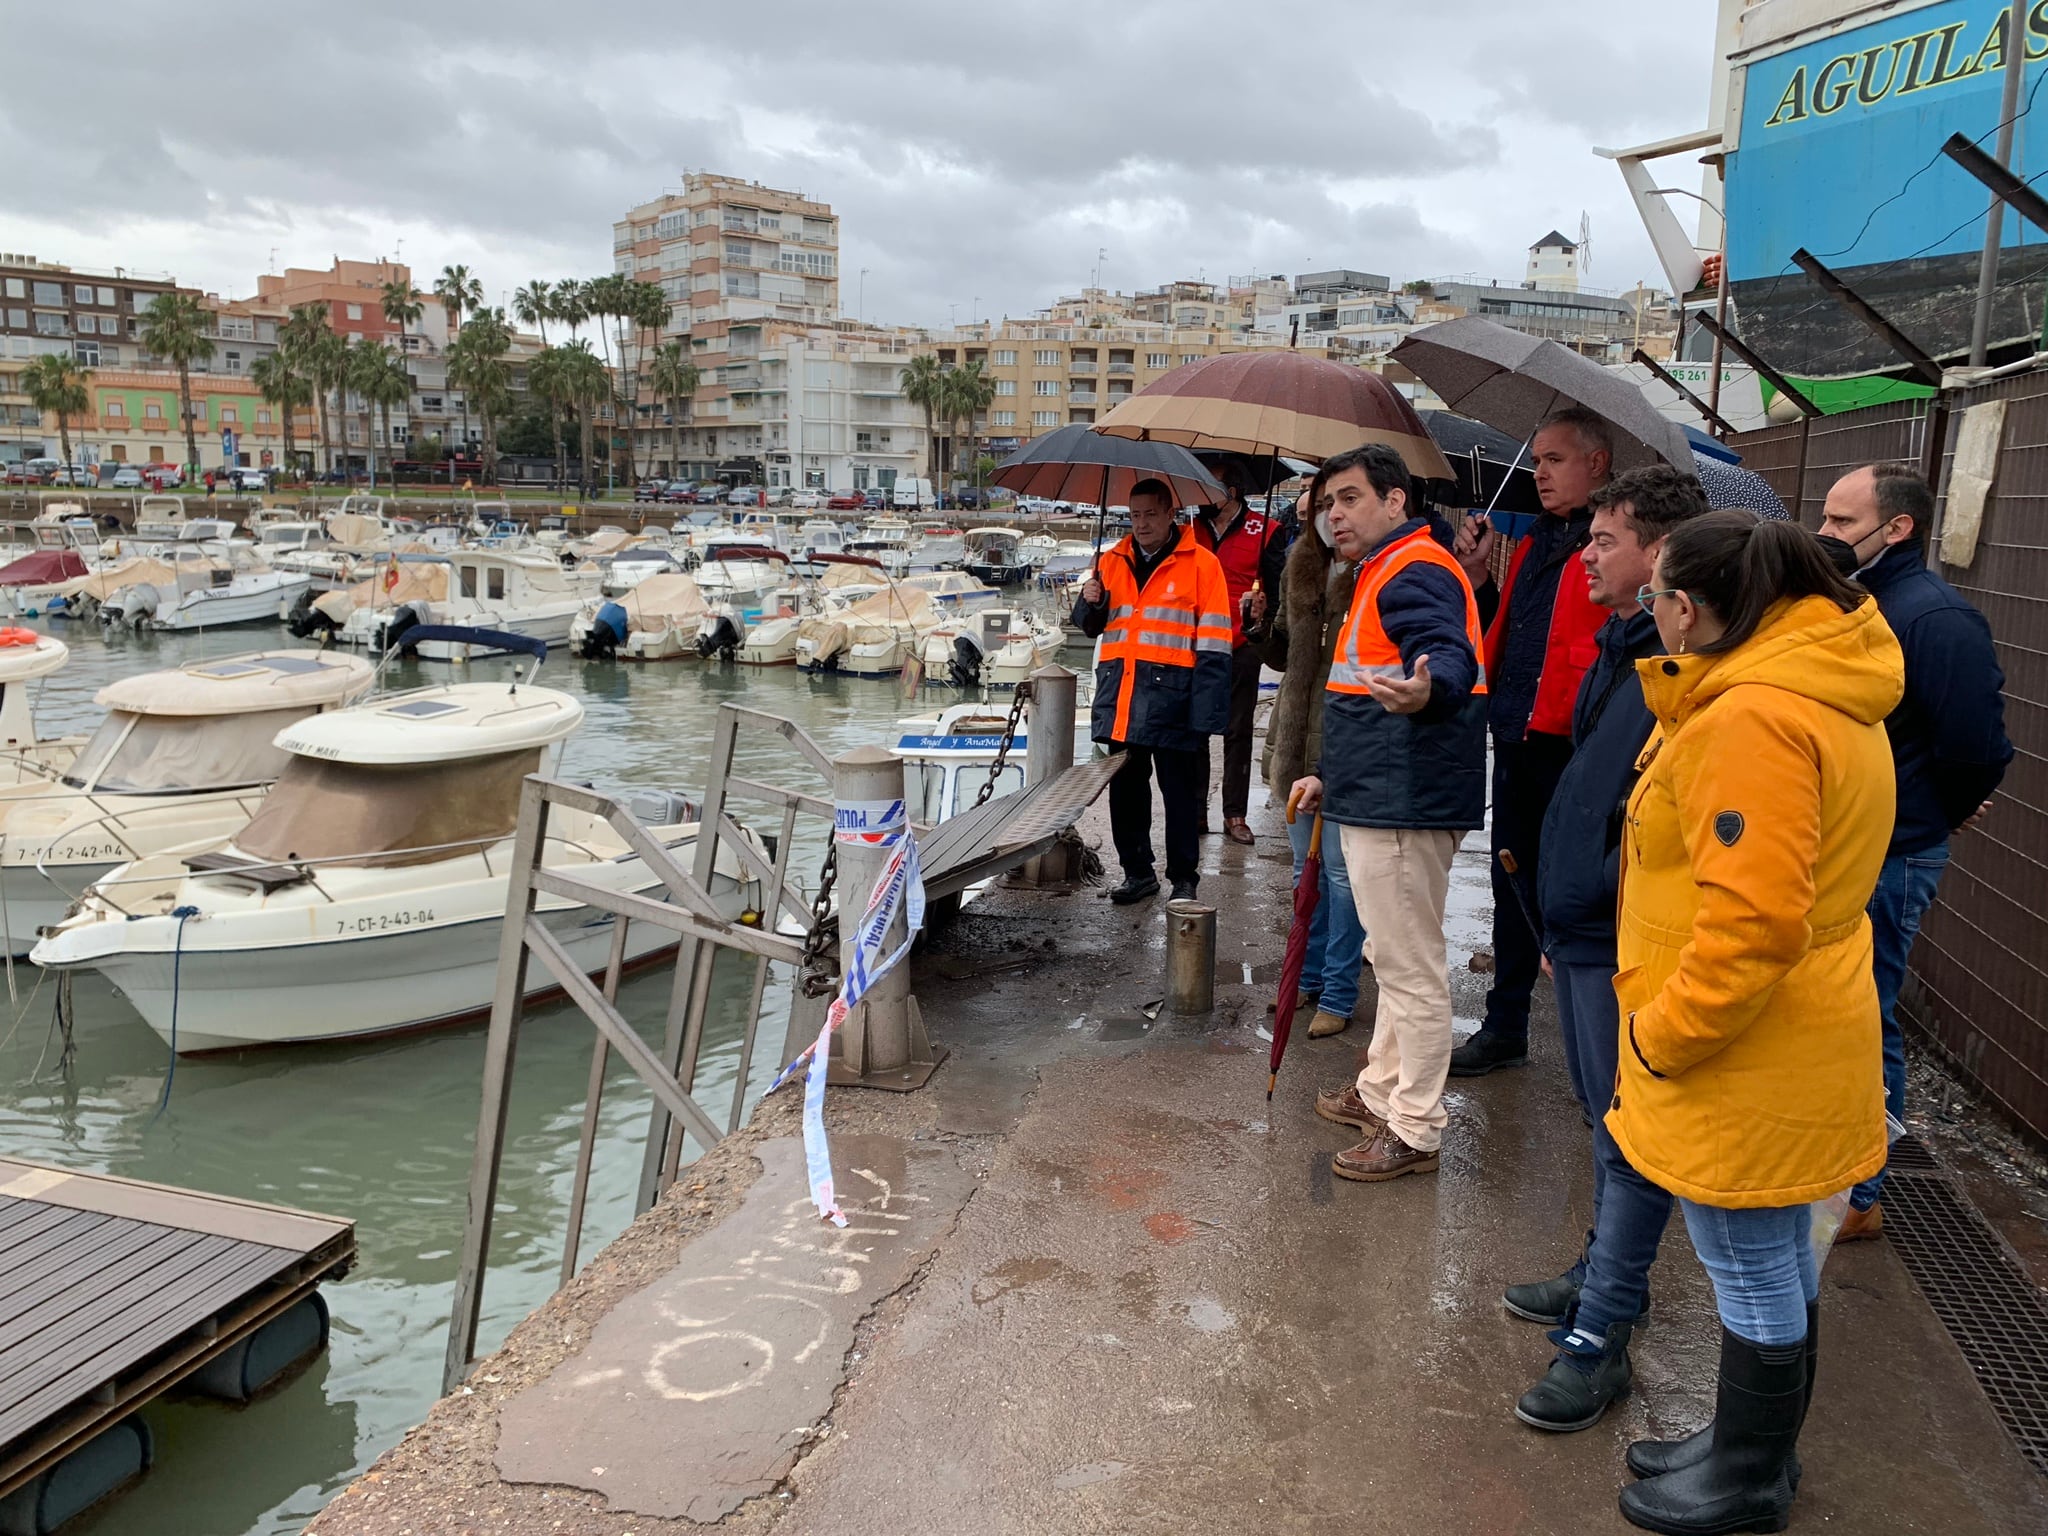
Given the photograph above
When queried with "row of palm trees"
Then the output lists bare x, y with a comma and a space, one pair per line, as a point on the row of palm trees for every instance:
954, 396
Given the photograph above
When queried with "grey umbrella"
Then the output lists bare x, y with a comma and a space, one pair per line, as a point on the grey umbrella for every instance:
1511, 382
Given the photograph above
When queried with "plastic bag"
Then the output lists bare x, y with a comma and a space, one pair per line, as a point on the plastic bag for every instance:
1829, 1214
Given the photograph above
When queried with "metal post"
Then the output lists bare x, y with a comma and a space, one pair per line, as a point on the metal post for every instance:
1048, 753
1994, 218
1190, 957
593, 1104
500, 1046
883, 1039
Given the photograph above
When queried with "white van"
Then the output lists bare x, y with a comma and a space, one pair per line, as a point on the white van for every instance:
913, 493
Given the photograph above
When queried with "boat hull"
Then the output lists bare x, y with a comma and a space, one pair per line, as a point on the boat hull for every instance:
212, 610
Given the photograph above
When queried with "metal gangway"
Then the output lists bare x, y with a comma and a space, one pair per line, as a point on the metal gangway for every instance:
882, 1044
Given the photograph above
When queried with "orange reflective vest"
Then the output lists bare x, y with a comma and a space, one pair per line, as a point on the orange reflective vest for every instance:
1425, 770
1364, 649
1162, 673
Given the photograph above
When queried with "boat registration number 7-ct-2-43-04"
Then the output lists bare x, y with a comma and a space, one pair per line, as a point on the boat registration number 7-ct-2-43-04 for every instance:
383, 921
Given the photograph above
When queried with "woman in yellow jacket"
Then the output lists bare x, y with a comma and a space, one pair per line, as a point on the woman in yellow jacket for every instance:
1751, 1079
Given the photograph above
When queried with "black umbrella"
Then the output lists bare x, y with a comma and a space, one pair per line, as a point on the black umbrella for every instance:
1073, 462
1493, 468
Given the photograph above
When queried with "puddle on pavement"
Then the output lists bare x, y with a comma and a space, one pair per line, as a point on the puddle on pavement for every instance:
1205, 1315
1016, 1274
1124, 1027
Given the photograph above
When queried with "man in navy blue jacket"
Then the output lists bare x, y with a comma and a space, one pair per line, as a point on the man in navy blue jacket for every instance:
1948, 738
1577, 886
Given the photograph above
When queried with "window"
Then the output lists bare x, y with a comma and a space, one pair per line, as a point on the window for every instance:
1003, 419
1006, 386
232, 361
141, 301
495, 583
134, 329
355, 311
116, 408
107, 298
109, 354
17, 319
1155, 359
262, 416
1045, 418
153, 410
83, 291
87, 353
468, 580
120, 453
228, 415
16, 288
1047, 357
1045, 387
88, 325
863, 442
52, 325
1190, 357
1005, 359
50, 293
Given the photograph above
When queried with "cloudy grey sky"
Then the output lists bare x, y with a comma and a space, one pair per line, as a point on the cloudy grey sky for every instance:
979, 156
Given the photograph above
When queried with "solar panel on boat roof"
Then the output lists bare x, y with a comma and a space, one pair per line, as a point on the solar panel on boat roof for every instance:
420, 709
224, 670
292, 664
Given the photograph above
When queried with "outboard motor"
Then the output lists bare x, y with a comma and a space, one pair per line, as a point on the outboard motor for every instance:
406, 616
967, 658
606, 634
129, 608
831, 646
661, 808
719, 635
305, 621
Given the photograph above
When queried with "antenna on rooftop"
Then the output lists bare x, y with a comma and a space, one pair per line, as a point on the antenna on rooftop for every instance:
1585, 244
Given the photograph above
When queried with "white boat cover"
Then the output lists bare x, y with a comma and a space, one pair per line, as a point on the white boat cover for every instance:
137, 571
353, 814
670, 600
418, 581
241, 685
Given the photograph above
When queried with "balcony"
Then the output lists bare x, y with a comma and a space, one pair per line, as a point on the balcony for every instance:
1081, 364
1081, 396
1121, 368
116, 423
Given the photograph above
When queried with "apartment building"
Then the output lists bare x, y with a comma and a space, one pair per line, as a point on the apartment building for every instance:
95, 316
135, 420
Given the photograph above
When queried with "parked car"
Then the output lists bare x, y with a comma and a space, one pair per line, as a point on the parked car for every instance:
806, 501
129, 478
649, 490
73, 474
164, 477
875, 501
679, 493
743, 496
21, 474
242, 477
843, 501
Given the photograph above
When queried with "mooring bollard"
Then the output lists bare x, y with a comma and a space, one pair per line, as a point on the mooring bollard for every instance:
1190, 957
882, 1044
1049, 752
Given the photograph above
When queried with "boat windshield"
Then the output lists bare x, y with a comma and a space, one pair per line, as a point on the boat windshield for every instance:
179, 754
406, 813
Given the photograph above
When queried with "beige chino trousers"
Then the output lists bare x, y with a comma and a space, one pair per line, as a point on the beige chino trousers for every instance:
1400, 880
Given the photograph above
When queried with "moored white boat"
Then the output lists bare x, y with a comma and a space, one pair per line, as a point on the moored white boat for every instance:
995, 648
505, 593
209, 585
368, 895
658, 619
871, 638
25, 757
182, 754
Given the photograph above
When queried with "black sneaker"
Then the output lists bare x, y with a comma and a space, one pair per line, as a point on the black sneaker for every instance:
1581, 1382
1183, 890
1487, 1051
1134, 889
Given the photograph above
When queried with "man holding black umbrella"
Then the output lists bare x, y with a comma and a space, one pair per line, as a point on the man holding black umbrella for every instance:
1538, 648
1158, 603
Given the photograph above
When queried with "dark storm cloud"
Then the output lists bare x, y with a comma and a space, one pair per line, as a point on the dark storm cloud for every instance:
974, 153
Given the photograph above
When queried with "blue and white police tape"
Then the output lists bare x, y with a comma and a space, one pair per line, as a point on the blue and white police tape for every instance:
900, 887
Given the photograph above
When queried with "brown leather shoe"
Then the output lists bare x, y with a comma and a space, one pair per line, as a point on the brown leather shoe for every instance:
1860, 1226
1327, 1023
1345, 1107
1381, 1156
1238, 830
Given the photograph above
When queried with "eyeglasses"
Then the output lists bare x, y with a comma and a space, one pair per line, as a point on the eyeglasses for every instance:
1647, 596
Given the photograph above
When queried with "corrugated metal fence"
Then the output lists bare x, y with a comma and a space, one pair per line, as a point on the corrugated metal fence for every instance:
1979, 987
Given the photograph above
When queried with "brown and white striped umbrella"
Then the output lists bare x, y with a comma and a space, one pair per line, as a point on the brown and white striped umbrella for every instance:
1277, 402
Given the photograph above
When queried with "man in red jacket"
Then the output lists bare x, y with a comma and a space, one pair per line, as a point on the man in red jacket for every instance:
1538, 648
1249, 547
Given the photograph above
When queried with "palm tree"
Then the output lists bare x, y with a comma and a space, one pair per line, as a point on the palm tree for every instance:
534, 304
924, 386
967, 393
476, 362
674, 378
56, 382
286, 389
385, 382
545, 376
567, 304
299, 343
459, 293
587, 382
401, 306
330, 362
174, 328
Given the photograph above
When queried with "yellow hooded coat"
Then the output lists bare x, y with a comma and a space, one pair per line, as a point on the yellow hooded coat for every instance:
1750, 1066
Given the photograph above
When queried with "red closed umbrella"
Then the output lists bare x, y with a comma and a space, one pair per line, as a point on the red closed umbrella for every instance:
1308, 890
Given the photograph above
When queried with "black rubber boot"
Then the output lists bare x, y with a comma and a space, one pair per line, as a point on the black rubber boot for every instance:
1577, 1388
1653, 1458
1744, 1482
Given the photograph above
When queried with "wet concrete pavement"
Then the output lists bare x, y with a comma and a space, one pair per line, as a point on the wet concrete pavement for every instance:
1133, 1299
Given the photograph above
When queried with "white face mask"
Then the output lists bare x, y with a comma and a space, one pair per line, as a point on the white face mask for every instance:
1323, 528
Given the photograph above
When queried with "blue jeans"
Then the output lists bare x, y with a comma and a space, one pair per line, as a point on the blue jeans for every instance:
1629, 1212
1905, 890
1336, 938
1761, 1262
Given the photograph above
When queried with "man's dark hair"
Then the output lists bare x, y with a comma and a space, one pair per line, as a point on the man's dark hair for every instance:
1232, 478
1901, 492
1739, 567
1152, 485
1653, 500
1591, 427
1382, 466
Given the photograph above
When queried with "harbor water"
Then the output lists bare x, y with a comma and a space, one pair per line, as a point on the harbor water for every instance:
380, 1132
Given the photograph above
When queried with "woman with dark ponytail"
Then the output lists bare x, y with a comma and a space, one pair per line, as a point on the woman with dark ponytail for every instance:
1751, 1078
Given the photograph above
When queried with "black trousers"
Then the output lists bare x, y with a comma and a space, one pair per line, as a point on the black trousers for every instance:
1183, 786
1525, 775
1237, 734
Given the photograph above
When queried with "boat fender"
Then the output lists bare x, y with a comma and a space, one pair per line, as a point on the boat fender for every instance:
14, 634
966, 662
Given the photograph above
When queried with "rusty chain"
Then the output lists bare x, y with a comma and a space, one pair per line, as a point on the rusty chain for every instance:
995, 769
819, 968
